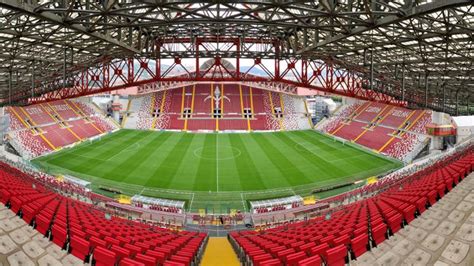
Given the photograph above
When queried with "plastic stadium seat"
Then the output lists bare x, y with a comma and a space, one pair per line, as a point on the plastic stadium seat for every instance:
342, 240
133, 249
311, 261
182, 259
130, 262
97, 242
28, 214
432, 197
42, 224
260, 258
80, 247
104, 257
359, 244
59, 235
336, 256
319, 249
147, 260
111, 241
307, 247
120, 252
379, 233
395, 222
272, 262
173, 263
294, 258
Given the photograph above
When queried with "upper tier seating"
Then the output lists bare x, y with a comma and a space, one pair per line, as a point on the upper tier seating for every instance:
391, 130
355, 227
42, 128
89, 233
191, 108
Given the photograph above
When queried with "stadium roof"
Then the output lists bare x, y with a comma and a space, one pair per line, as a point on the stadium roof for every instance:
427, 44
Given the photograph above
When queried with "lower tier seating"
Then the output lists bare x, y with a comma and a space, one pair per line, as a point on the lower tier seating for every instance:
91, 234
336, 237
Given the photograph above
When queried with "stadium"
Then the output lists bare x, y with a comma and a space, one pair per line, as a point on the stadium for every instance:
333, 132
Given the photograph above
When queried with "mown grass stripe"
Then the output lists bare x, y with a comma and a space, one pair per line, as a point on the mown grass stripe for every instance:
292, 174
172, 160
246, 167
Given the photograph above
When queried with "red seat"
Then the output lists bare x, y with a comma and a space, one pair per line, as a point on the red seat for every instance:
104, 257
133, 249
311, 261
359, 244
319, 249
120, 252
173, 263
294, 258
28, 214
130, 262
272, 262
395, 222
147, 260
79, 247
96, 242
336, 256
59, 235
342, 240
379, 233
42, 224
159, 256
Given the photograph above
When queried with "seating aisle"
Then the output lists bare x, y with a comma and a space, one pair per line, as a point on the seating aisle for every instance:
219, 252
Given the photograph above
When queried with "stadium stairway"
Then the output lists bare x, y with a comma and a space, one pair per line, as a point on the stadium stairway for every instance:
219, 252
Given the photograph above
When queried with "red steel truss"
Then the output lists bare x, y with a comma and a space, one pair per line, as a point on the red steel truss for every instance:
136, 71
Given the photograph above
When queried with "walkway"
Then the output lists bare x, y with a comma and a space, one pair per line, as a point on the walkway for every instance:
219, 252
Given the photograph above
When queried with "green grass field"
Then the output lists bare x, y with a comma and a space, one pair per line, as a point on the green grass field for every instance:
216, 170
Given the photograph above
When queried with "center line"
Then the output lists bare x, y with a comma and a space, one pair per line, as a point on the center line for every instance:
217, 162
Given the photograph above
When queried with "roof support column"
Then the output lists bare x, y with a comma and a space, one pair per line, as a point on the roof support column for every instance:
426, 89
403, 82
64, 67
372, 69
444, 98
10, 85
33, 78
457, 102
468, 105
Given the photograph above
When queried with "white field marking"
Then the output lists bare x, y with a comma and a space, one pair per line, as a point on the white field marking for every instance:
217, 162
191, 203
243, 202
141, 192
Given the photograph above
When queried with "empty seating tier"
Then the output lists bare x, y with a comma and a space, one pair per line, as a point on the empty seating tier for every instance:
347, 233
92, 234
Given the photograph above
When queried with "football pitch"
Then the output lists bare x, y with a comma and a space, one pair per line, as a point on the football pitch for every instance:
216, 170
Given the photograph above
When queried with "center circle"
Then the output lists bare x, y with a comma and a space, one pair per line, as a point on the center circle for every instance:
224, 152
